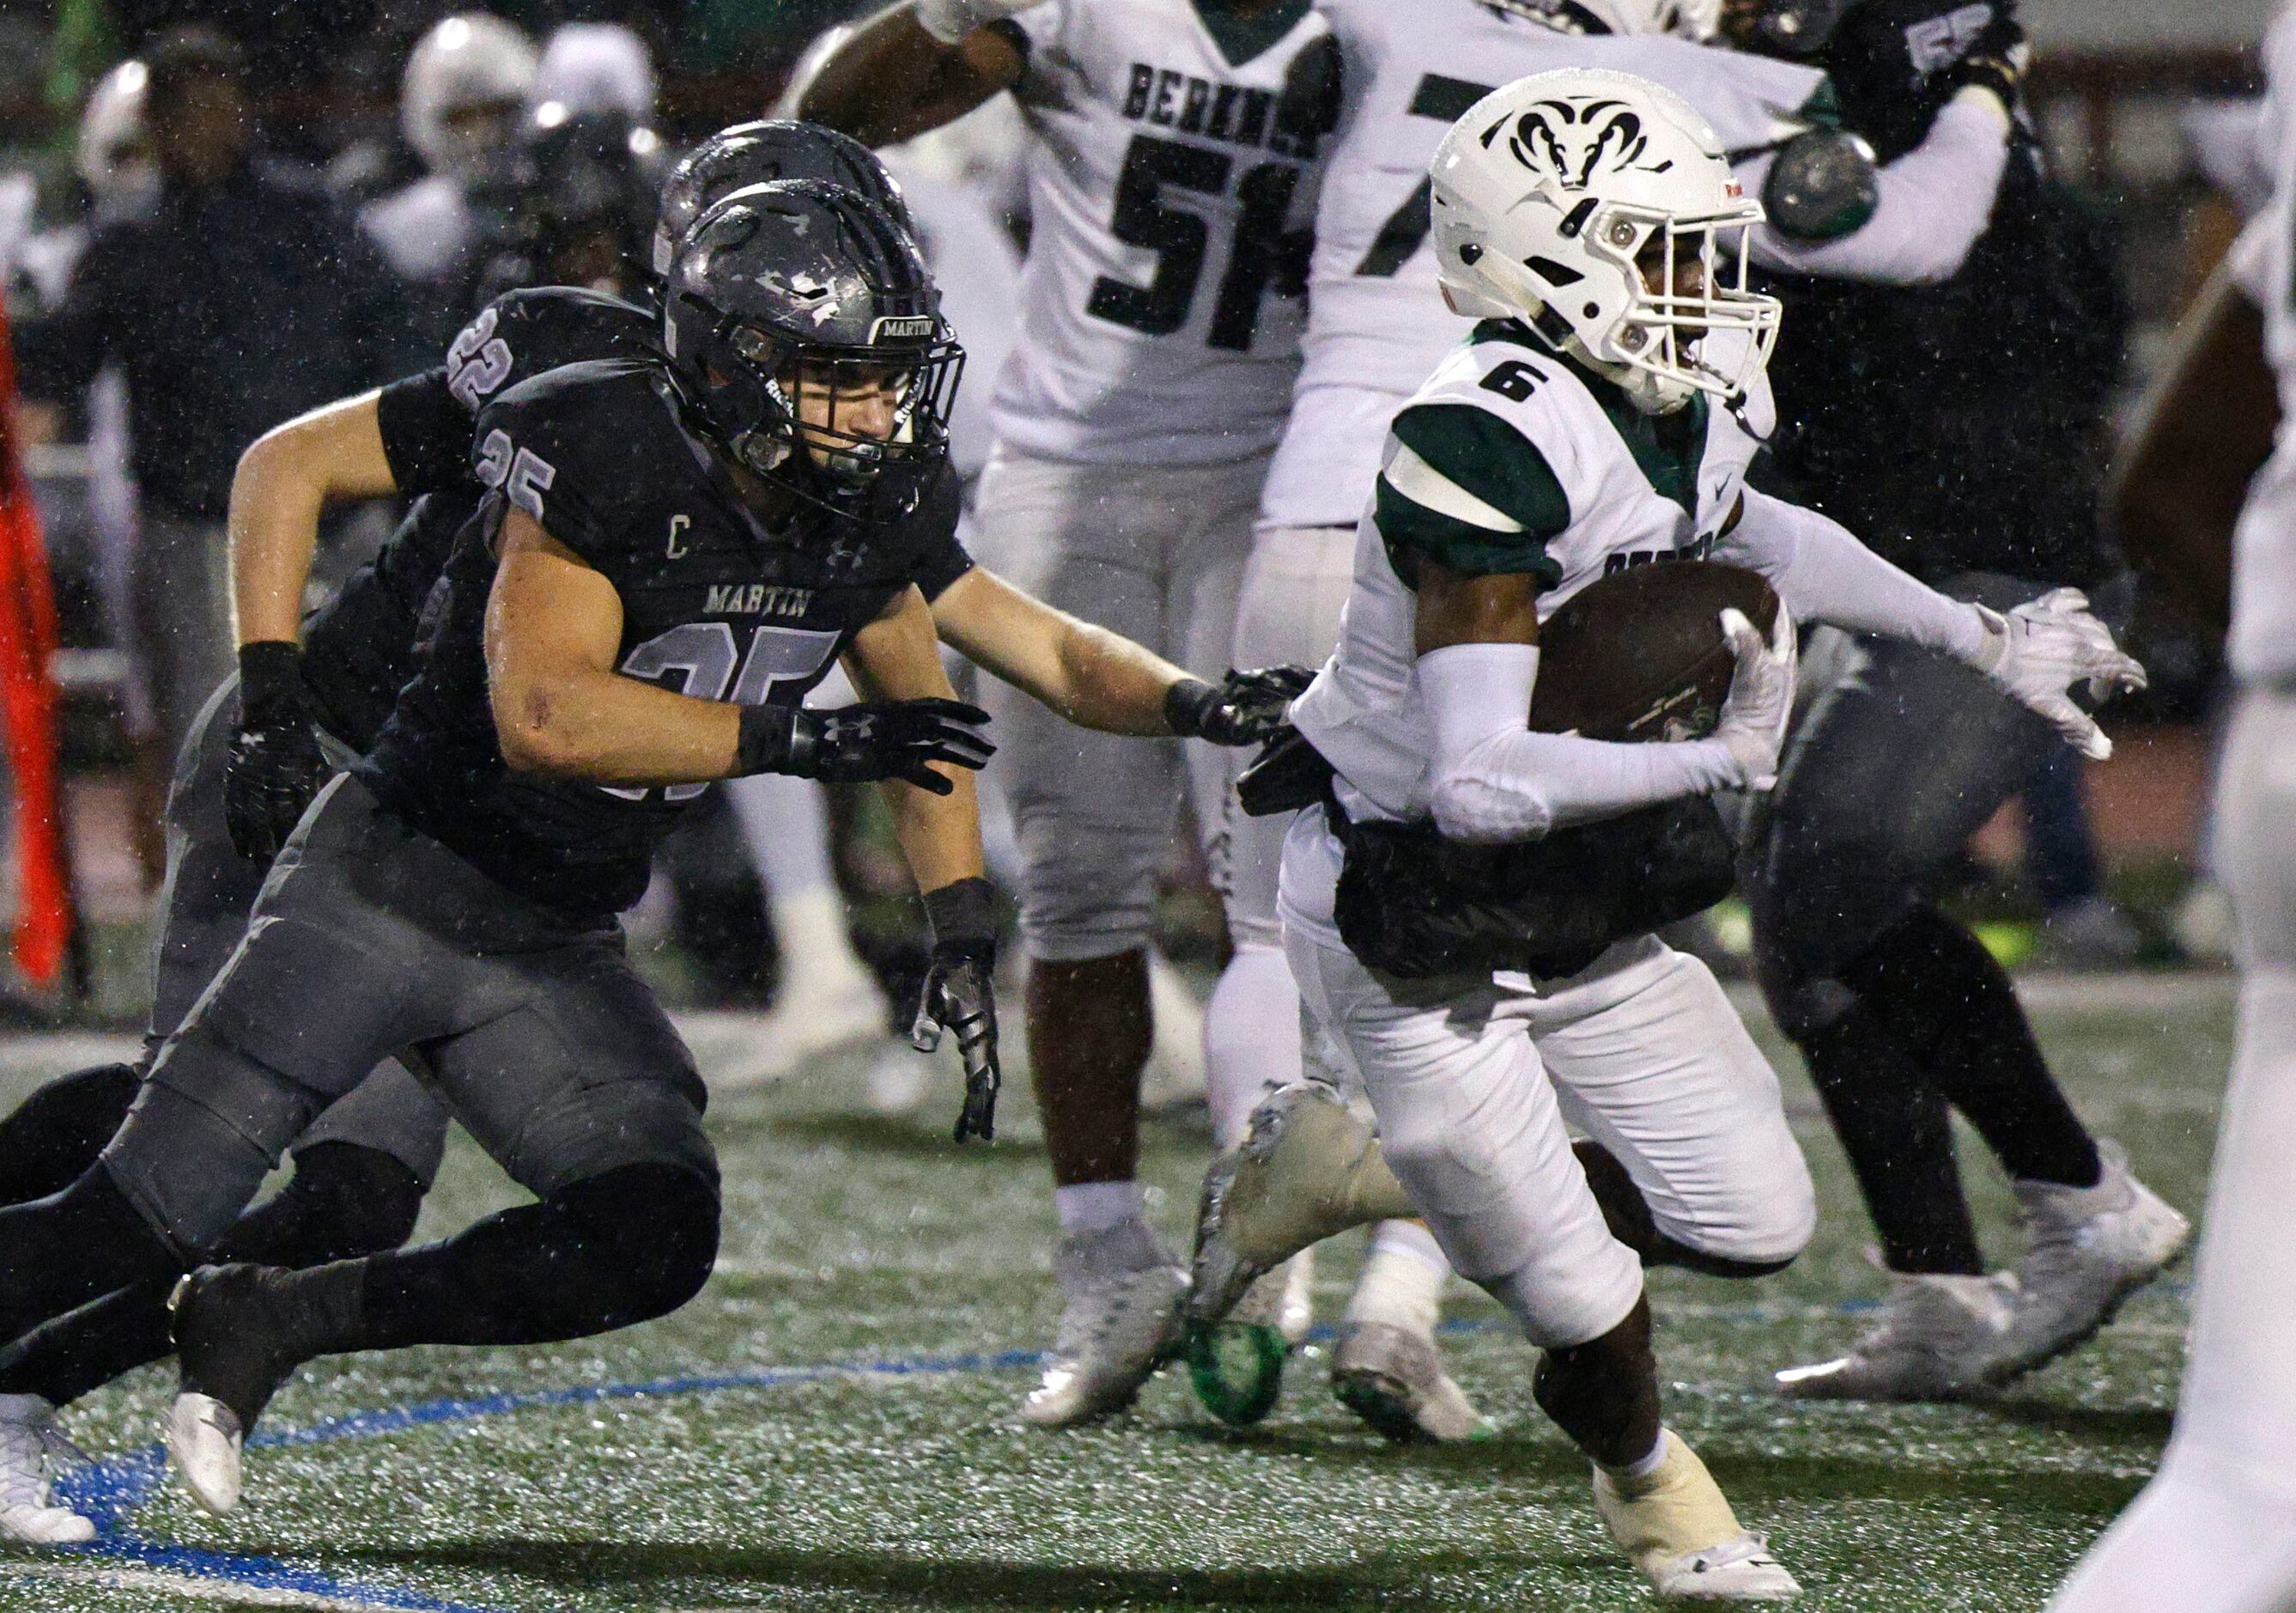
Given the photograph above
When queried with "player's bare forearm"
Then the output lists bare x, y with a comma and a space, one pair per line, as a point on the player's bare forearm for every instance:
897, 657
892, 80
1456, 608
285, 479
1095, 678
552, 630
2176, 487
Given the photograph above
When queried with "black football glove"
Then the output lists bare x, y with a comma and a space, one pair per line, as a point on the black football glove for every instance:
1995, 61
275, 767
855, 744
1242, 708
959, 995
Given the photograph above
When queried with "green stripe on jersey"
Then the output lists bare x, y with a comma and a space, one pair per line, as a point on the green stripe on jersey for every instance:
1493, 464
1667, 449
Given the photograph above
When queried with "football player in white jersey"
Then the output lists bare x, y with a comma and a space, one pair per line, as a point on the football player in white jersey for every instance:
1173, 151
1602, 414
2215, 1532
1376, 326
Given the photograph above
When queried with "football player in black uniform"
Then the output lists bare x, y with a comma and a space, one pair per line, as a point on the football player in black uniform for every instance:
1894, 422
669, 556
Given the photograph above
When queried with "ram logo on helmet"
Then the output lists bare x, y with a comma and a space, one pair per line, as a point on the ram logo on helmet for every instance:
1574, 140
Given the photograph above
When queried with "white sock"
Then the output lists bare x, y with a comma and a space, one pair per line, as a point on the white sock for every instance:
1647, 1466
1098, 1207
1398, 1288
1252, 1037
1410, 1237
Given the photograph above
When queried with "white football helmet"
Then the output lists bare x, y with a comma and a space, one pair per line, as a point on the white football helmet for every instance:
1554, 194
1699, 19
114, 158
465, 92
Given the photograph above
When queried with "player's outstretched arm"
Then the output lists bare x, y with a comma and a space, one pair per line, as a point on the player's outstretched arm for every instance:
2037, 653
285, 479
913, 68
1930, 206
553, 629
897, 657
1100, 680
1495, 780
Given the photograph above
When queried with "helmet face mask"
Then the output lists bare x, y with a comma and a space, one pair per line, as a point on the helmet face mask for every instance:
801, 323
1598, 208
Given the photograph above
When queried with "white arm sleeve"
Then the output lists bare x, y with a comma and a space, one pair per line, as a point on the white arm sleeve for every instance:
1823, 574
1934, 205
1496, 780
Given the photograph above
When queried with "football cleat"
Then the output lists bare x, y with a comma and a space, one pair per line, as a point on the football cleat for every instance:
1307, 1169
229, 1368
204, 1441
1117, 1327
1937, 1337
29, 1513
2087, 1249
1393, 1378
1236, 1364
1677, 1527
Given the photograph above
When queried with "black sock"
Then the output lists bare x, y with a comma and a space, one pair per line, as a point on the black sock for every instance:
53, 1135
1954, 1003
1628, 1213
620, 1247
343, 1201
1898, 1132
57, 1253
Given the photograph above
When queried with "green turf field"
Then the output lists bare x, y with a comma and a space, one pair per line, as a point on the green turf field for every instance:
875, 1289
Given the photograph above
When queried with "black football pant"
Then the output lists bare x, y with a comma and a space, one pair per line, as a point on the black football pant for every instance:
361, 1168
369, 936
1902, 1014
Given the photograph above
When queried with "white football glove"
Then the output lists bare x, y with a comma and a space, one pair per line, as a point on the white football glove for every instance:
1760, 702
2039, 651
949, 21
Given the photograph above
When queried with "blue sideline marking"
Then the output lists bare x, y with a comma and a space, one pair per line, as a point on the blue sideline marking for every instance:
109, 1491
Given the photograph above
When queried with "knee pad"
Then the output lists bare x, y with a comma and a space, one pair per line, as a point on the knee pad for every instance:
343, 1202
192, 1154
652, 1260
57, 1132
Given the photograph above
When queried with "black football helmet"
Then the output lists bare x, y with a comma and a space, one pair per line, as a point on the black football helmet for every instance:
583, 202
807, 335
760, 154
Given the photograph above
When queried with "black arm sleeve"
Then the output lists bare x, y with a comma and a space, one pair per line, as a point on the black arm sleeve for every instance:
426, 434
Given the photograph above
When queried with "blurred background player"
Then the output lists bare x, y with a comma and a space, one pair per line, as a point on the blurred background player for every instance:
1172, 158
1376, 325
2215, 1531
1896, 422
464, 96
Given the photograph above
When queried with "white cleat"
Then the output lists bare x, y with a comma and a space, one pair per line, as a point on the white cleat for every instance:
2087, 1249
29, 1513
1393, 1378
1118, 1328
1936, 1339
204, 1439
1307, 1169
1675, 1527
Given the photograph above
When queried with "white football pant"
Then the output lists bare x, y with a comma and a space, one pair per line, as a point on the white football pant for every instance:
1155, 553
1475, 1082
2215, 1532
1294, 589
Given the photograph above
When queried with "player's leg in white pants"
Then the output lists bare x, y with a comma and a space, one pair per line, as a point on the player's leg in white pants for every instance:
2215, 1532
1156, 555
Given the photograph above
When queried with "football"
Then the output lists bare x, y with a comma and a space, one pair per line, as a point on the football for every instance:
1639, 655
